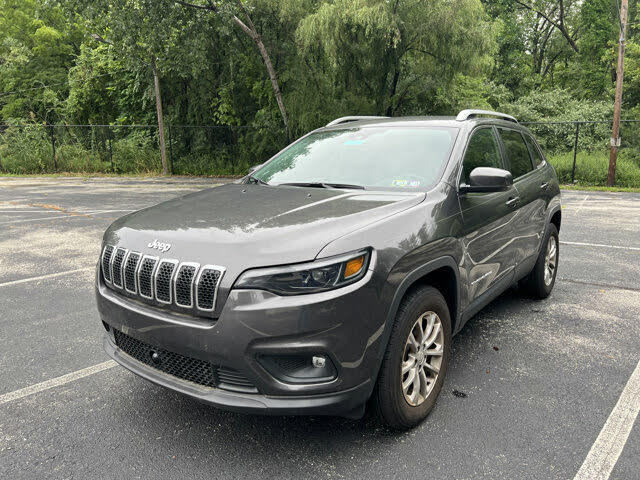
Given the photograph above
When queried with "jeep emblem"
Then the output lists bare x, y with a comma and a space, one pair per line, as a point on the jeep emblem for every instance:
163, 247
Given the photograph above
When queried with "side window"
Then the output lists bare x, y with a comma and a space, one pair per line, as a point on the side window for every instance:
482, 151
535, 153
517, 152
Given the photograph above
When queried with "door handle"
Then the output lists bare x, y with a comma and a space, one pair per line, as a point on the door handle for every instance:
544, 186
513, 201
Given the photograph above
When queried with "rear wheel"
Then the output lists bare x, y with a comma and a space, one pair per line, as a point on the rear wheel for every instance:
542, 278
416, 360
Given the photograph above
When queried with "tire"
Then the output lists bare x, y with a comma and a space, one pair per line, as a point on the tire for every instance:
390, 400
536, 284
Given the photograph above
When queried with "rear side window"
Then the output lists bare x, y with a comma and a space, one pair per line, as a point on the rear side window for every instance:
482, 151
517, 152
535, 153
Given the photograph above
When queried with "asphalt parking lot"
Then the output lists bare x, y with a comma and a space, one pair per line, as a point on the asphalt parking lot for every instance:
529, 390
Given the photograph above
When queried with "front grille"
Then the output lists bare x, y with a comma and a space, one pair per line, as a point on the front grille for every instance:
183, 367
207, 287
144, 276
116, 267
106, 263
184, 285
161, 280
130, 268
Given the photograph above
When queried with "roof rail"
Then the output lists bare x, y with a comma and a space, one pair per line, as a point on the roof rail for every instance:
340, 120
466, 114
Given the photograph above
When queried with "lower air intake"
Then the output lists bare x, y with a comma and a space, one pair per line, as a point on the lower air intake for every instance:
183, 367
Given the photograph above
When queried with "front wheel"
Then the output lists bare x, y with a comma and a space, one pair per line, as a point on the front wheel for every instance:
542, 278
416, 360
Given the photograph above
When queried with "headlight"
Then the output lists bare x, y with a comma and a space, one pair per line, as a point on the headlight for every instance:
312, 277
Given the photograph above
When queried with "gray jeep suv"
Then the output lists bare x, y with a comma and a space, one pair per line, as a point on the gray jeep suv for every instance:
335, 274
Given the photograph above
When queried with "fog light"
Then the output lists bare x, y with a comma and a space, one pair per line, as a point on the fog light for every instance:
318, 362
299, 368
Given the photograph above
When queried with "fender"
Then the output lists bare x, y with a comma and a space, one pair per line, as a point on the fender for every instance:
405, 284
555, 205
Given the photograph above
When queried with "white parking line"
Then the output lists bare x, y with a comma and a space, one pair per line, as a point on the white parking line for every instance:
55, 217
581, 205
56, 382
608, 446
599, 245
44, 277
106, 211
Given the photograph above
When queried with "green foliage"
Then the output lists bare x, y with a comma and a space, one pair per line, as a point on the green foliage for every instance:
379, 57
37, 46
592, 167
562, 106
25, 150
331, 57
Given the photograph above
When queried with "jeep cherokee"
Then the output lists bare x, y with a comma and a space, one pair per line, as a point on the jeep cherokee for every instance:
336, 273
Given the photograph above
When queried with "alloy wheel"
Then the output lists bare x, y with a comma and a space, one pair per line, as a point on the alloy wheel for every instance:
550, 261
422, 358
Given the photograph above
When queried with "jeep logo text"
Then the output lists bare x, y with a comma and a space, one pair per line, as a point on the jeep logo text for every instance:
163, 247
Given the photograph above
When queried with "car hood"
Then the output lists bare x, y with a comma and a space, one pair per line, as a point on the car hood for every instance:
243, 226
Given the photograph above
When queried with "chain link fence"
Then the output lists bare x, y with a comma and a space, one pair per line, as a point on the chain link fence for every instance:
579, 150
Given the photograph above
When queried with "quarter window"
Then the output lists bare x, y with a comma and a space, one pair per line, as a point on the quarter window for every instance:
535, 153
517, 152
482, 151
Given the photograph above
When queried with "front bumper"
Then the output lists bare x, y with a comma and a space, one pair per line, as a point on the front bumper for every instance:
344, 403
345, 325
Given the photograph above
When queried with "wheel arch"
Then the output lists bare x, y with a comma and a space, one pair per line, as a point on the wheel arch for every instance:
440, 273
556, 218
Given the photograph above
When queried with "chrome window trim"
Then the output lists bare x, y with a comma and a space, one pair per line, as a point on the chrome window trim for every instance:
155, 267
113, 257
193, 282
215, 292
104, 251
135, 273
154, 287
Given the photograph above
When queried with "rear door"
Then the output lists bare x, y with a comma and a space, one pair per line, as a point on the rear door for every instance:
530, 219
487, 229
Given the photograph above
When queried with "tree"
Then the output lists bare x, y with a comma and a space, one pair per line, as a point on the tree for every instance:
390, 58
37, 47
250, 30
557, 15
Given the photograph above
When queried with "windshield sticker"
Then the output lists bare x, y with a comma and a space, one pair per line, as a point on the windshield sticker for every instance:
405, 183
354, 142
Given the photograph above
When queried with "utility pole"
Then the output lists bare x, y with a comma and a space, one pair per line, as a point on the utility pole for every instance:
617, 108
163, 150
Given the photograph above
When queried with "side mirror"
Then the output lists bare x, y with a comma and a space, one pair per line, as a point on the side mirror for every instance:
487, 179
254, 168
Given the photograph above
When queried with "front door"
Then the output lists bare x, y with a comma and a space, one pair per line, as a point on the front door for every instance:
488, 256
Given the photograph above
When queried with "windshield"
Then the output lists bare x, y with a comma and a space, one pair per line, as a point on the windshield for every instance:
388, 157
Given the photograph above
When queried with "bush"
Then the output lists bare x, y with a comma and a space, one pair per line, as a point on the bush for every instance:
136, 153
592, 168
562, 106
25, 150
75, 158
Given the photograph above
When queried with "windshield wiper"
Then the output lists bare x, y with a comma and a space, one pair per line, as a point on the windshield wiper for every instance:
323, 185
257, 181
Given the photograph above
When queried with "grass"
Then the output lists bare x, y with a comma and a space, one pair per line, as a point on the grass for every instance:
592, 168
591, 188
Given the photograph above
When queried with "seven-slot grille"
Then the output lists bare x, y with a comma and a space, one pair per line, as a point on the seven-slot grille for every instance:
166, 281
183, 367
